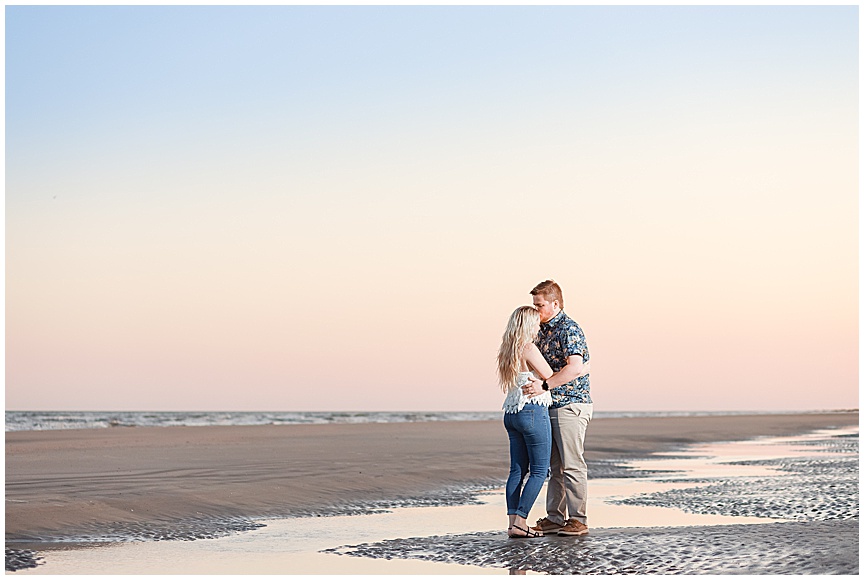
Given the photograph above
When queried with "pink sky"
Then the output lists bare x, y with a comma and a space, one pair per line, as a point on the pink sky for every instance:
357, 241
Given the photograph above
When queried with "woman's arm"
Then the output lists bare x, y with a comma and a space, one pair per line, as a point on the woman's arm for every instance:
536, 362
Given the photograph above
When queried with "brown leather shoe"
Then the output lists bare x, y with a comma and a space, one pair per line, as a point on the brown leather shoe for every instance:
546, 526
573, 528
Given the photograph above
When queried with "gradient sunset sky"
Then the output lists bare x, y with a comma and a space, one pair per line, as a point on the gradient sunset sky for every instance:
337, 208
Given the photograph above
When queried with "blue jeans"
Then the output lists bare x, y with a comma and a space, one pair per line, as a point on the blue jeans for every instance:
530, 449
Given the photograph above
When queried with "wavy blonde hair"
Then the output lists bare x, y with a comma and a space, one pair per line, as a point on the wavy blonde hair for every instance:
519, 333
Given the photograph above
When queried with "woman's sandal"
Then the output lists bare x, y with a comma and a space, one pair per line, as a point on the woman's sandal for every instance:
529, 533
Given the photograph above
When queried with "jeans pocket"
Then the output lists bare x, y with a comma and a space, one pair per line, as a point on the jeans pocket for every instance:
527, 418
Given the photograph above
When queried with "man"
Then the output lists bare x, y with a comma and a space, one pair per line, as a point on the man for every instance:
562, 343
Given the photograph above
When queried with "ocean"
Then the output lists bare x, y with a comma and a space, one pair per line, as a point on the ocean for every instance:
45, 420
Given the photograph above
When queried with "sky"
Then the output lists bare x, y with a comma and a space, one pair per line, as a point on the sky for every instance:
292, 208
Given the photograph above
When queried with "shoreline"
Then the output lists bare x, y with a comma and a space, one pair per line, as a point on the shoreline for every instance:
194, 482
17, 420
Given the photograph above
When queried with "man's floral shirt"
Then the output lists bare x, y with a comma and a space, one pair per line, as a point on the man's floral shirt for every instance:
559, 338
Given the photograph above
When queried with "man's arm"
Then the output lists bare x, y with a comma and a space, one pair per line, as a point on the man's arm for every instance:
574, 368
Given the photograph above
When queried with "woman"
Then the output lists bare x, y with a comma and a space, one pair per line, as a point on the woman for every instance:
525, 418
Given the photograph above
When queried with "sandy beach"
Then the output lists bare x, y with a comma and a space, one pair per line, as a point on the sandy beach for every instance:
204, 482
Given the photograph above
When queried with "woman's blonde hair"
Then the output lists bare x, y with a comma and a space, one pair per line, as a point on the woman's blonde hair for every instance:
519, 333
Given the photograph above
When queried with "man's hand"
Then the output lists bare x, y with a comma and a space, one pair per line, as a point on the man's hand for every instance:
533, 388
574, 365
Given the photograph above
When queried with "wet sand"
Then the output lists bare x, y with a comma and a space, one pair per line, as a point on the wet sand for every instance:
203, 482
775, 548
793, 505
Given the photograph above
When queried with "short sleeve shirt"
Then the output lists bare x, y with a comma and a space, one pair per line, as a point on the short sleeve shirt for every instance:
558, 339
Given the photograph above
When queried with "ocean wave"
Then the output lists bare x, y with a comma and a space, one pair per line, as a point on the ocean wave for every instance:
49, 420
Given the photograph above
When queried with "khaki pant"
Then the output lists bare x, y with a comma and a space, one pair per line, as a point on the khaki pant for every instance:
567, 492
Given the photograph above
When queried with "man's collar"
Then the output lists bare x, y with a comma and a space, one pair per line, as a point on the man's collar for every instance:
555, 319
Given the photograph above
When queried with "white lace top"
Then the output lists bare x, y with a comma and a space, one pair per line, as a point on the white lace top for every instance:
516, 400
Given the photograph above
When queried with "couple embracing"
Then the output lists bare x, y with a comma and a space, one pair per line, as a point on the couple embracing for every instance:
543, 367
